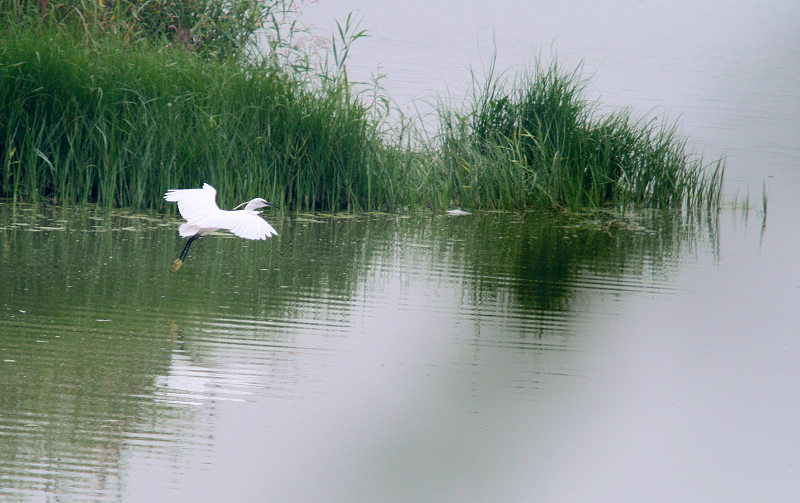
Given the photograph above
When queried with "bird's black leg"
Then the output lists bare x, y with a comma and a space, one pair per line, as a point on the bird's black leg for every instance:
179, 262
186, 248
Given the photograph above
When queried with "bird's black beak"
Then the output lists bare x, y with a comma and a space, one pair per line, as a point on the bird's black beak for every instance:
273, 205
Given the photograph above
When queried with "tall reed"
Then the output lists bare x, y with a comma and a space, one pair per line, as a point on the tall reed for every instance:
118, 126
119, 121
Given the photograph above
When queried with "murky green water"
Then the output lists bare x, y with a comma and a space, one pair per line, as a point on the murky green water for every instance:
387, 358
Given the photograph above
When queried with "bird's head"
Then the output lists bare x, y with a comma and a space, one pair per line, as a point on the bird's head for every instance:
256, 203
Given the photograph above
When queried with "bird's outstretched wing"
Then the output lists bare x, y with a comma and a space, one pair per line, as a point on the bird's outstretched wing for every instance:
246, 224
194, 204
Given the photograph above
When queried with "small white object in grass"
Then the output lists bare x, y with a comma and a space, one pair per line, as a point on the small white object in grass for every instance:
457, 212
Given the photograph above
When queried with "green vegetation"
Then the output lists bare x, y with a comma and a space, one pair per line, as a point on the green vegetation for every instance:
209, 28
539, 142
118, 125
115, 104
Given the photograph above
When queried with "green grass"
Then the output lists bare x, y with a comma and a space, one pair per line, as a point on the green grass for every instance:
119, 126
119, 122
539, 142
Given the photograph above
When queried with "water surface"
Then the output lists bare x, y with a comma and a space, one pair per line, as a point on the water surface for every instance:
489, 357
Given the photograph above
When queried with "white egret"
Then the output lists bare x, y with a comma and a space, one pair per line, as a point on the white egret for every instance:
203, 216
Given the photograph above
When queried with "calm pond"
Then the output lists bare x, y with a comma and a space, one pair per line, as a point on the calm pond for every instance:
426, 358
486, 357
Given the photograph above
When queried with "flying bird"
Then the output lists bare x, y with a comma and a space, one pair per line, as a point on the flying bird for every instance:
203, 217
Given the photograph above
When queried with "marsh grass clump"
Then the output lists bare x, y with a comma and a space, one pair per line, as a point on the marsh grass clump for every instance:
540, 142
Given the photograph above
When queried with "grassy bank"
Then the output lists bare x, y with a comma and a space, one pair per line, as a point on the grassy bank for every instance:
118, 123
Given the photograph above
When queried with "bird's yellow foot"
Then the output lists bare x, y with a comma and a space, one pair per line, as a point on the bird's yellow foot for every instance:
176, 265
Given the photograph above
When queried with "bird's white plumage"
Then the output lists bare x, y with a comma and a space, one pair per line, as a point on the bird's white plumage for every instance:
203, 216
194, 203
